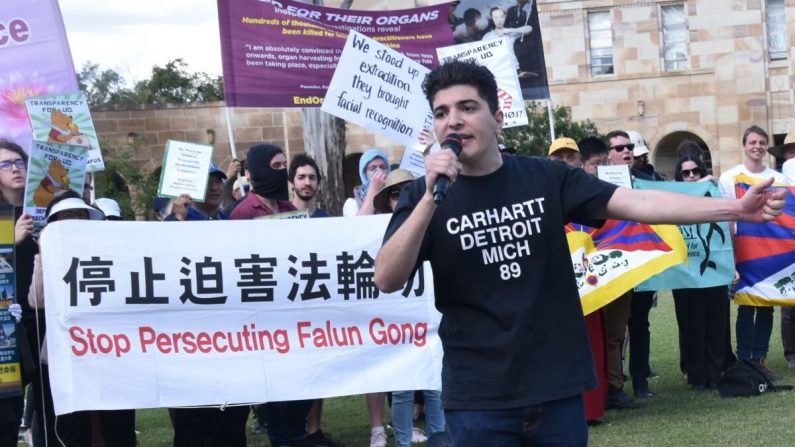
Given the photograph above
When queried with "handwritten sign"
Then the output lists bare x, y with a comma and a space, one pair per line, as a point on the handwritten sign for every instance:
379, 89
186, 167
496, 55
617, 174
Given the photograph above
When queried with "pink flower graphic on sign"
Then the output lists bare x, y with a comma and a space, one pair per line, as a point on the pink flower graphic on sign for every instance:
13, 91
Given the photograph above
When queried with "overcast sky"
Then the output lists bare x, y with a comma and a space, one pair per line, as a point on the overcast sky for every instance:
132, 36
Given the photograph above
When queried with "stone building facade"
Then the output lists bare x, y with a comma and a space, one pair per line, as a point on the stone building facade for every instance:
720, 76
672, 70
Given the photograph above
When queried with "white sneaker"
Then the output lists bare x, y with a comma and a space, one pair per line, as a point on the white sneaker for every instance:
378, 439
418, 436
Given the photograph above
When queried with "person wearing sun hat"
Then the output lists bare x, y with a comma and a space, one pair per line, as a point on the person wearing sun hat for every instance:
77, 428
786, 150
110, 207
386, 199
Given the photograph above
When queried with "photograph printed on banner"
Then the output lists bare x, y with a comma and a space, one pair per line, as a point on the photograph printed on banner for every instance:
516, 20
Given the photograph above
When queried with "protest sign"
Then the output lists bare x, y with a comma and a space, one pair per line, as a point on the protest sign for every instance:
35, 61
186, 167
413, 160
498, 57
515, 20
380, 90
282, 53
139, 315
611, 260
10, 371
709, 247
65, 119
618, 175
53, 169
766, 253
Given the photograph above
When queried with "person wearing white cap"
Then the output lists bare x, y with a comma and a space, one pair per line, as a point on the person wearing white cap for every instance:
117, 426
640, 158
110, 207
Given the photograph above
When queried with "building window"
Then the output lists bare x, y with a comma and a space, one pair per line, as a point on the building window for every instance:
776, 30
675, 37
600, 33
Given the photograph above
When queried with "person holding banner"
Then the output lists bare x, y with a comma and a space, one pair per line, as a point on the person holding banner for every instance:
701, 313
13, 168
515, 344
83, 428
373, 168
754, 324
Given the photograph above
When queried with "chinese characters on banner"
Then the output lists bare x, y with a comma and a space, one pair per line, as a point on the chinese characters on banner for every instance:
10, 373
135, 321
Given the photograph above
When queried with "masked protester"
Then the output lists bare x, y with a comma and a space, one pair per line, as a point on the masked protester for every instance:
266, 169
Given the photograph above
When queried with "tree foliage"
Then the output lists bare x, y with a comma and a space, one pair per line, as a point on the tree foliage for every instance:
172, 84
125, 182
534, 138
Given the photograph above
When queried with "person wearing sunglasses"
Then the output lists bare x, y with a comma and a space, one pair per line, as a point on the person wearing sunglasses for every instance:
701, 313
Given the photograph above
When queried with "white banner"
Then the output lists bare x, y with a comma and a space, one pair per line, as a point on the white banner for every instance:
142, 314
496, 55
379, 89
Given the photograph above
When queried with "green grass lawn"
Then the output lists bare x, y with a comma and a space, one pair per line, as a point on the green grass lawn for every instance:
677, 416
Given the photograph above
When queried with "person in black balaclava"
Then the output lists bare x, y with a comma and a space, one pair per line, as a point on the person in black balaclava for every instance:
266, 169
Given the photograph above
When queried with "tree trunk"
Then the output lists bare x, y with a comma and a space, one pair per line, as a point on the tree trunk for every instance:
324, 140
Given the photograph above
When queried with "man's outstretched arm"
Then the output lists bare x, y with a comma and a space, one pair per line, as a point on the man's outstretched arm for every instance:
662, 207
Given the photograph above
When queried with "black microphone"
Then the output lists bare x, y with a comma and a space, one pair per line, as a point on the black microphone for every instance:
453, 142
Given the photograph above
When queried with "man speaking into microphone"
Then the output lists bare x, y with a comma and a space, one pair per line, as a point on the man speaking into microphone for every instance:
516, 352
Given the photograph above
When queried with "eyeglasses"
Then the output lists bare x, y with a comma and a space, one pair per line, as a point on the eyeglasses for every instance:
688, 172
622, 147
5, 165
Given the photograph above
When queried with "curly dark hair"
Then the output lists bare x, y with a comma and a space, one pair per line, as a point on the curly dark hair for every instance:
454, 73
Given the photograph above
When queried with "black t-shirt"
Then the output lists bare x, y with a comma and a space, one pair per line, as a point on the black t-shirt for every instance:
512, 325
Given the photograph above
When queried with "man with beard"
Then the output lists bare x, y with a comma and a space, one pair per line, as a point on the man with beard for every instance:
305, 178
183, 207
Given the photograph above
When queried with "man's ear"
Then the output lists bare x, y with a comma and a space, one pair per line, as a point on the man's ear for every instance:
500, 118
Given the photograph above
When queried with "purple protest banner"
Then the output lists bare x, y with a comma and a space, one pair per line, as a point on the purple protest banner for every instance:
35, 61
284, 53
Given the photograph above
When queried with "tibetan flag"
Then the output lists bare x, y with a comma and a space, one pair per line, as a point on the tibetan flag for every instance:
611, 260
766, 254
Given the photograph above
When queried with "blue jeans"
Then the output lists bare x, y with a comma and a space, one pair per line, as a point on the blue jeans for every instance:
559, 422
753, 335
403, 411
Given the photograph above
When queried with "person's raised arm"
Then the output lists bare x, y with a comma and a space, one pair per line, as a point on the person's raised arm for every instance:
661, 207
398, 255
